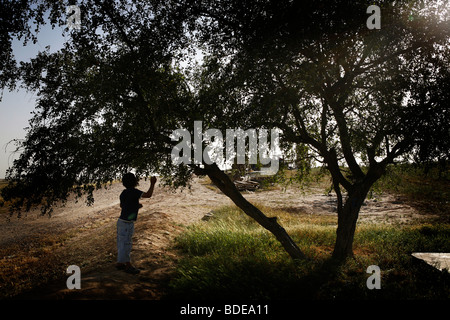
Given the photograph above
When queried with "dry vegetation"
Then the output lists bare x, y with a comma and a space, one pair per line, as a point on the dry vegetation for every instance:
171, 238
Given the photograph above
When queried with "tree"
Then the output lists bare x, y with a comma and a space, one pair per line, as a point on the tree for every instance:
109, 101
75, 138
16, 20
360, 98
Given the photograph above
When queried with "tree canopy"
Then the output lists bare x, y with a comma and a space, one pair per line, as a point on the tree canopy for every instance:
108, 102
360, 98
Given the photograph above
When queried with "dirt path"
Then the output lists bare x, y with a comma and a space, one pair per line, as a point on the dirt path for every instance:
160, 220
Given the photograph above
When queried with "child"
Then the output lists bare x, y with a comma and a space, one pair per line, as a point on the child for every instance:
129, 202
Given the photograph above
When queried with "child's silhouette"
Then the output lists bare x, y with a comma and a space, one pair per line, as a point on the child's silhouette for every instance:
129, 202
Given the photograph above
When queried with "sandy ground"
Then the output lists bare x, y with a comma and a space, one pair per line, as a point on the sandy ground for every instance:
160, 220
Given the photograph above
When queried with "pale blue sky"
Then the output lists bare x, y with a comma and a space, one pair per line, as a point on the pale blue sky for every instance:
16, 106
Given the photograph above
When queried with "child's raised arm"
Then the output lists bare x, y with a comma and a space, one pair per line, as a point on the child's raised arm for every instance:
149, 193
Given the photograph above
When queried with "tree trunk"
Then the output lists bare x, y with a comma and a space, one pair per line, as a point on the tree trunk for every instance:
347, 218
223, 182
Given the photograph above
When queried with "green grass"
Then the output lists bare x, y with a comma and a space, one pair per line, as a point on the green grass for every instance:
231, 257
428, 191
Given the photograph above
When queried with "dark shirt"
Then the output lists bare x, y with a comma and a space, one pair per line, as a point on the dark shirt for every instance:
129, 201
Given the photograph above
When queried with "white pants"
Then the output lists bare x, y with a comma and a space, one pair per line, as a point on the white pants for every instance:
125, 232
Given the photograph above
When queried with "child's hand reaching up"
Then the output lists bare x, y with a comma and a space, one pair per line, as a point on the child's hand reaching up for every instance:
149, 193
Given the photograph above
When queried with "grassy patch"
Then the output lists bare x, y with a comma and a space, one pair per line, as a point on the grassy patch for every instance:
231, 257
427, 190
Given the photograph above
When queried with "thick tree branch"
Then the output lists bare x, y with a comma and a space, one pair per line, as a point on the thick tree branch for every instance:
224, 183
344, 137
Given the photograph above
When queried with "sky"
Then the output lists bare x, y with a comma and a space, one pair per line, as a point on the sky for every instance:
16, 106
